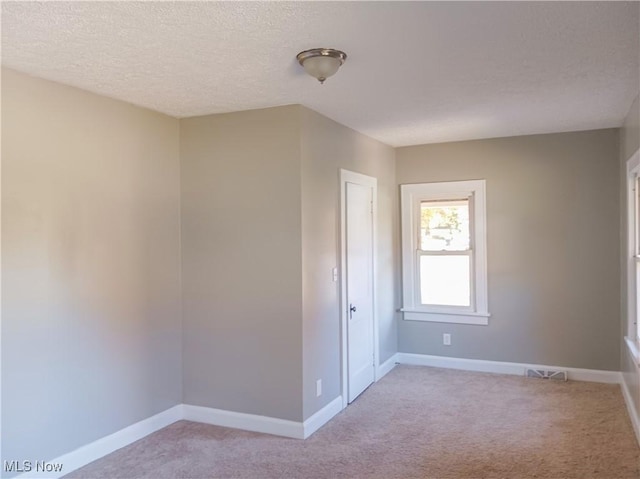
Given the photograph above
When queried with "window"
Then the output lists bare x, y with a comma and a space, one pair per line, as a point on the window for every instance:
444, 252
633, 255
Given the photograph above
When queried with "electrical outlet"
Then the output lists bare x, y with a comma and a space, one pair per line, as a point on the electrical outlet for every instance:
446, 339
319, 388
334, 275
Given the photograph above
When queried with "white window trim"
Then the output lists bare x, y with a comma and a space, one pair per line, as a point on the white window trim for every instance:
411, 196
632, 338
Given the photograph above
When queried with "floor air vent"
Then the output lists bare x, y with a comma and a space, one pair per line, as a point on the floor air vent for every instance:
546, 374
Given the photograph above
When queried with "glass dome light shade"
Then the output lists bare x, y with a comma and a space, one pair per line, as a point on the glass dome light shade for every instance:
321, 63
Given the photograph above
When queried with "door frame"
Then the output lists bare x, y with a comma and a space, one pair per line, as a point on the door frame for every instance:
347, 176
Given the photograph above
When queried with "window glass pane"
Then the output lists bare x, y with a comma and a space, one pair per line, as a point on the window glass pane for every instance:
637, 215
637, 321
444, 225
445, 280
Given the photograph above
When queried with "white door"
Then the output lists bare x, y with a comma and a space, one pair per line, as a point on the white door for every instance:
359, 287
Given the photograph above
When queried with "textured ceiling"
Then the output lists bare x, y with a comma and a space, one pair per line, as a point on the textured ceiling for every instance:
417, 72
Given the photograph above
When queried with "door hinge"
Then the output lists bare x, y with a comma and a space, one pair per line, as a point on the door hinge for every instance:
372, 207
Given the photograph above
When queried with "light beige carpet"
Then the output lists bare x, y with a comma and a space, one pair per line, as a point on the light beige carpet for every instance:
417, 422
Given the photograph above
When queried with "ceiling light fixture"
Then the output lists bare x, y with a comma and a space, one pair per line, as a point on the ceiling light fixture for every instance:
321, 63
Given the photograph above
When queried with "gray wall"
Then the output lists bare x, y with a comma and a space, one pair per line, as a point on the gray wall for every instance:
90, 266
553, 248
242, 261
328, 146
629, 144
260, 198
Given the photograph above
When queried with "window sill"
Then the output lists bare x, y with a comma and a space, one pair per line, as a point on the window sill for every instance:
481, 319
634, 349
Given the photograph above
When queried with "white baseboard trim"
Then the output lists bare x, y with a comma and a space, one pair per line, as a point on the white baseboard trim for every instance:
322, 417
106, 445
517, 369
633, 414
386, 367
218, 417
301, 430
248, 422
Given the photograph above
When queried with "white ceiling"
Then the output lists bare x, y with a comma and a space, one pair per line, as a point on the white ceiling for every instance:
416, 72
